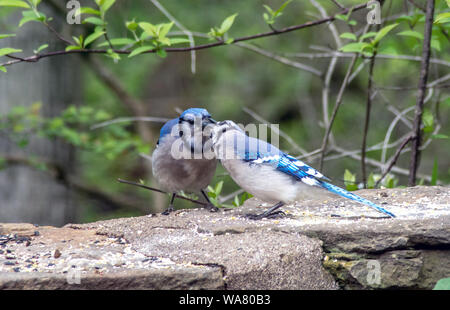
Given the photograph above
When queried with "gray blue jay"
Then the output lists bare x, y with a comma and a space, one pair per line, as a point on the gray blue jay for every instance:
269, 174
179, 162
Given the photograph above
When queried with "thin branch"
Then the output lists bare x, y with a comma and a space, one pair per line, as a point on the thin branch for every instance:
330, 54
335, 110
394, 159
56, 171
130, 119
338, 4
193, 48
387, 137
223, 199
163, 192
281, 59
277, 130
367, 119
380, 165
182, 28
331, 26
135, 106
415, 154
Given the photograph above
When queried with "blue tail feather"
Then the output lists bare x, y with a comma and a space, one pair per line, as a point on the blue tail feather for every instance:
346, 194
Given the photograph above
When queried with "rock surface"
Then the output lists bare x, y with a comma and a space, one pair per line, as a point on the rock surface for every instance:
317, 245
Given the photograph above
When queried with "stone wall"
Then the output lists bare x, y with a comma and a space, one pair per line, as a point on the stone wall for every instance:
335, 244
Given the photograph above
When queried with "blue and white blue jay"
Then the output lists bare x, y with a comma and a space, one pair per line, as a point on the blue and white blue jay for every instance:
269, 174
178, 162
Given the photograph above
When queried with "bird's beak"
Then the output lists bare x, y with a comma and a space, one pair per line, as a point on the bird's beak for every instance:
208, 121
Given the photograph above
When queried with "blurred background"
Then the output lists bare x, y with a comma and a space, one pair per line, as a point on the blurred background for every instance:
64, 140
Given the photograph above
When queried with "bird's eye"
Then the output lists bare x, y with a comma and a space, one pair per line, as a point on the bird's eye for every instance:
190, 121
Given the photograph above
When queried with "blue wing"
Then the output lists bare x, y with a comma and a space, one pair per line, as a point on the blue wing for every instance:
306, 174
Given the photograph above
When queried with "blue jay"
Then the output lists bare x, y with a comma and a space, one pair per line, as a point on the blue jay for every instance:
178, 162
269, 174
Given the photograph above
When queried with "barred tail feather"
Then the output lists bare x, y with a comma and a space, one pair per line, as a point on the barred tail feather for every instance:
346, 194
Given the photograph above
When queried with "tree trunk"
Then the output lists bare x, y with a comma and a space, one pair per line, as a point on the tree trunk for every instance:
27, 194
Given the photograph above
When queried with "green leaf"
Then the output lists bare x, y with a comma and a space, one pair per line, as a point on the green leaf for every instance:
140, 50
113, 55
2, 69
440, 136
371, 181
94, 20
106, 5
92, 37
442, 18
268, 19
229, 41
383, 32
236, 201
411, 33
118, 41
73, 47
352, 22
40, 48
348, 35
281, 8
132, 25
269, 9
227, 23
9, 50
356, 47
434, 173
164, 29
161, 53
218, 188
14, 3
149, 29
27, 19
2, 36
87, 10
442, 284
428, 121
350, 181
179, 40
341, 17
367, 35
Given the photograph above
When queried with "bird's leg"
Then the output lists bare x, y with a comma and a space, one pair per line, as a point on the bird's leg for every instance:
170, 208
271, 213
209, 206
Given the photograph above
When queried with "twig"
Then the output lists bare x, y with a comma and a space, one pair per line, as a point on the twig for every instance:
337, 4
56, 171
335, 110
387, 137
378, 164
330, 54
394, 159
135, 106
182, 28
415, 154
367, 120
368, 110
277, 130
281, 59
130, 119
163, 192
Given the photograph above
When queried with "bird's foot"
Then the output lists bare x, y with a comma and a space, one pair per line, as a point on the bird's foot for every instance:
169, 210
211, 208
267, 215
